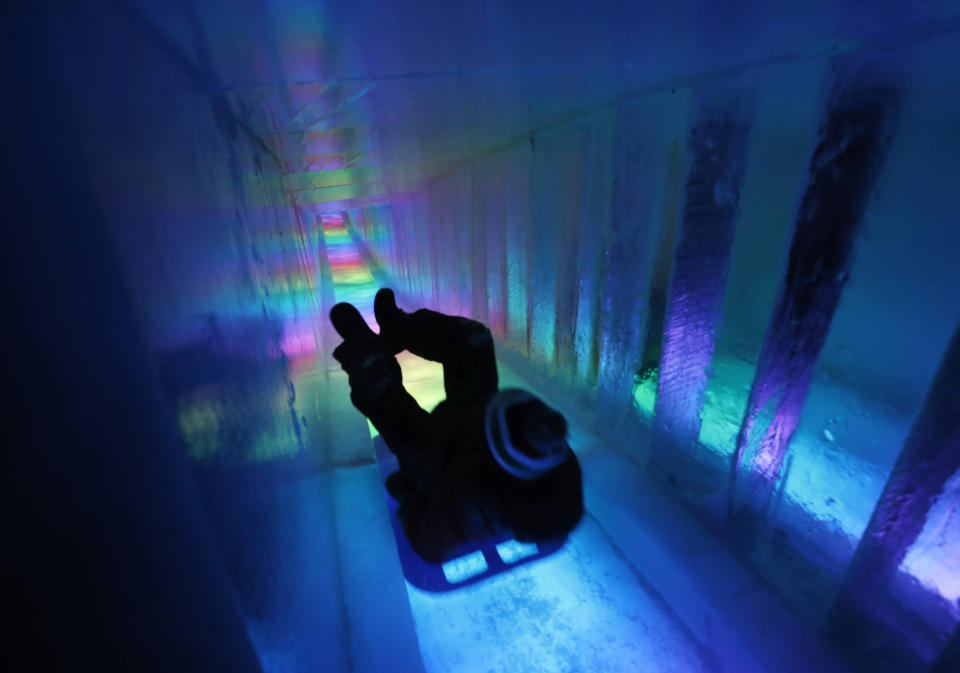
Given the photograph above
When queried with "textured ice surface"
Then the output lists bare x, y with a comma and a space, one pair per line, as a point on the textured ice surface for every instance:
582, 609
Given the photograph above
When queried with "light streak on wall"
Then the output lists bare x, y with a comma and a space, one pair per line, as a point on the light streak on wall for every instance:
718, 147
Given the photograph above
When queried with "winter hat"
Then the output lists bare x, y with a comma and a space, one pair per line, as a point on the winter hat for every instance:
537, 446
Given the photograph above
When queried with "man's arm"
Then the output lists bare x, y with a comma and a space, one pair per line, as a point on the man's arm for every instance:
437, 525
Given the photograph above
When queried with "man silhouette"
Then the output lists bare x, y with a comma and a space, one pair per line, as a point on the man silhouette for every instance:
485, 462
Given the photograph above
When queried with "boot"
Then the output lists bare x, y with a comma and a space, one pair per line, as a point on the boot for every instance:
391, 320
359, 341
349, 324
371, 369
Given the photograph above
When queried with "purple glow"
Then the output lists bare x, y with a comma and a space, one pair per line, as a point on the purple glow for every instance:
702, 259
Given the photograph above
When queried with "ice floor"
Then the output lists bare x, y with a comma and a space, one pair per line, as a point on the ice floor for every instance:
641, 585
583, 609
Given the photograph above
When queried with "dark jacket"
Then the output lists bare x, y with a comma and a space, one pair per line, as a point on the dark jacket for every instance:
463, 496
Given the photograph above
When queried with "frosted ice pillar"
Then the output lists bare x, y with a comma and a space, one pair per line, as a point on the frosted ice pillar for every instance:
625, 247
718, 147
844, 167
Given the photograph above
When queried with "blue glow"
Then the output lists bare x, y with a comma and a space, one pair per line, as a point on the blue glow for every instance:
465, 567
513, 551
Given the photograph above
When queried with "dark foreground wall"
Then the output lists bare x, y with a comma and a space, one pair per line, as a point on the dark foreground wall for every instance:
109, 559
161, 303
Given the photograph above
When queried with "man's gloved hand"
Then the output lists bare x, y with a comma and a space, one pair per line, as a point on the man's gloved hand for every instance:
367, 360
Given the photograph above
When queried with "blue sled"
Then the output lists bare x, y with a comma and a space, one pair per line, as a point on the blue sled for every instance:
472, 563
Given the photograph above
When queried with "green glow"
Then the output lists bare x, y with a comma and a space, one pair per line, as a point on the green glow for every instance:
200, 427
725, 403
211, 420
645, 394
423, 379
353, 282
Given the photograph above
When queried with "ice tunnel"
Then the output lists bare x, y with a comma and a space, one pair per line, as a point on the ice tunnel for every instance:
720, 237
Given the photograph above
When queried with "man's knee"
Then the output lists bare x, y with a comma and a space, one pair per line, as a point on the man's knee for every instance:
475, 335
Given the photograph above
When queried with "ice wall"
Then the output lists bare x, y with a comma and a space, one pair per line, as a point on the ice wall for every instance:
187, 473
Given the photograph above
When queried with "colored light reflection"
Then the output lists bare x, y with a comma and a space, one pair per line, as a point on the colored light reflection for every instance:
353, 282
645, 394
233, 381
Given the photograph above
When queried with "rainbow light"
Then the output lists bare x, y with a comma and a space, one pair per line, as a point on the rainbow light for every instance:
354, 283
